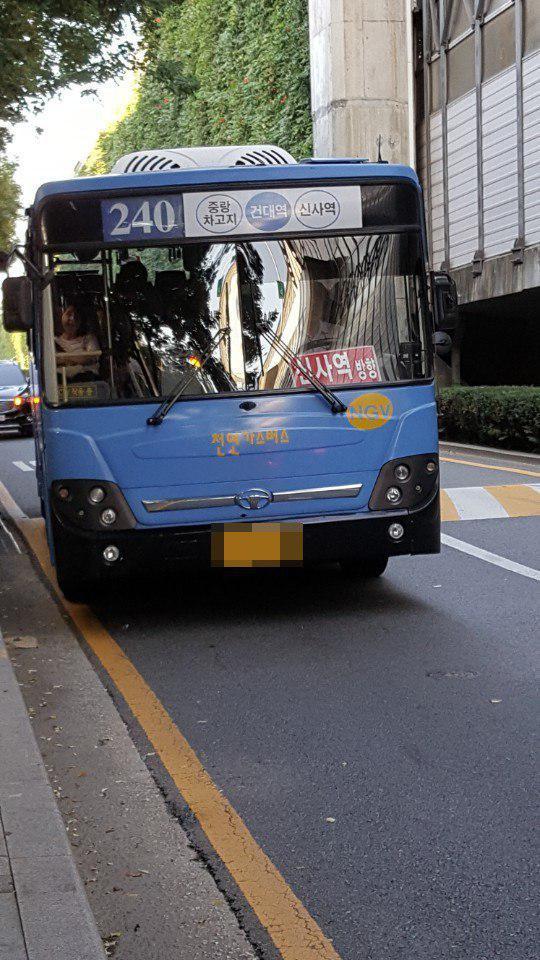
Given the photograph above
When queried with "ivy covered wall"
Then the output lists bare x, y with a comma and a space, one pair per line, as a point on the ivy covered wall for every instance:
217, 71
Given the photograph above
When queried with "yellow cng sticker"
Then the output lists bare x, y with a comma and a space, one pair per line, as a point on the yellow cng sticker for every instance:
369, 411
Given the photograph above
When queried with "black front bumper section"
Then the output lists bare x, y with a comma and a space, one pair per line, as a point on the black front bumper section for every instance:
325, 539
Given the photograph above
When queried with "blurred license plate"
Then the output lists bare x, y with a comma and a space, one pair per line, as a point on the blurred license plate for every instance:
257, 545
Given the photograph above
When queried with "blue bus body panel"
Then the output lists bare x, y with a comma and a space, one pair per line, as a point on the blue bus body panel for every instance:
290, 173
211, 447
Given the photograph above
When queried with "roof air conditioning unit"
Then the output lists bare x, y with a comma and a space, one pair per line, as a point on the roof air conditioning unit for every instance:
185, 158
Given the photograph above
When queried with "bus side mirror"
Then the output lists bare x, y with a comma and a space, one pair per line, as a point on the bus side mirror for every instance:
445, 301
5, 257
17, 304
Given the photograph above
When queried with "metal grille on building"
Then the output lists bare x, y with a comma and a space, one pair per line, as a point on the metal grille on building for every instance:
478, 124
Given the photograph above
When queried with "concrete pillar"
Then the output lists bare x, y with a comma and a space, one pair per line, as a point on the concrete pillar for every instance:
361, 78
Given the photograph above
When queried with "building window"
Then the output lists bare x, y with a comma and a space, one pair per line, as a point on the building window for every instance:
531, 24
499, 44
460, 22
460, 61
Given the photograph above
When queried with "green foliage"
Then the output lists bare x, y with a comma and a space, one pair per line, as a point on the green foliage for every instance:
493, 416
218, 72
9, 203
13, 347
46, 45
6, 346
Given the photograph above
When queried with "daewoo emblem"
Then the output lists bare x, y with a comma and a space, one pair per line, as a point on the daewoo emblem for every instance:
253, 499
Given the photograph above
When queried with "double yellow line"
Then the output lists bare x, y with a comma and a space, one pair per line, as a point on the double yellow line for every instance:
293, 930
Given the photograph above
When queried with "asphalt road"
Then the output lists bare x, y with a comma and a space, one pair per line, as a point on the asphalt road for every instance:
376, 739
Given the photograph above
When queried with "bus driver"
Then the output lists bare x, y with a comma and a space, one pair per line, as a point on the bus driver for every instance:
77, 352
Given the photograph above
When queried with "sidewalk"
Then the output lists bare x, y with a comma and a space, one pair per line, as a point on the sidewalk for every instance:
152, 895
491, 452
44, 913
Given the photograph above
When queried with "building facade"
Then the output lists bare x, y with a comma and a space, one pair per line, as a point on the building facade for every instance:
452, 86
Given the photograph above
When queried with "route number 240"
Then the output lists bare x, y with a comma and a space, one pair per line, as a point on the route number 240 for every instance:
160, 216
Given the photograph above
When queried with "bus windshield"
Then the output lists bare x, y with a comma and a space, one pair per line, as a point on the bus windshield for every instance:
127, 325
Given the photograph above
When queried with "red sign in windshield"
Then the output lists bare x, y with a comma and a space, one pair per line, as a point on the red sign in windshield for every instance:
338, 367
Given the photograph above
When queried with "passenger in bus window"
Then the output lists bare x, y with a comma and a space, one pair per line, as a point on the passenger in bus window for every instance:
78, 351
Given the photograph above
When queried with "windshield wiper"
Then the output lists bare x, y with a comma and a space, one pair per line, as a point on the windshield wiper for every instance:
159, 415
337, 405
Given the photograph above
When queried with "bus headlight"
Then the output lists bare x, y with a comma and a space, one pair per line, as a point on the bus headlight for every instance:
91, 505
393, 494
96, 495
418, 476
402, 472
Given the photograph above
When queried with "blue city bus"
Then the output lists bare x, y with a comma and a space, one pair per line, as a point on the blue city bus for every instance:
235, 359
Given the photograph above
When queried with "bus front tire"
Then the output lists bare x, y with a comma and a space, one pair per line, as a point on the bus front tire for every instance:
364, 569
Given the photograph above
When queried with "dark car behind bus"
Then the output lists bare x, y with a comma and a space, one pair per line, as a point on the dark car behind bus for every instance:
15, 401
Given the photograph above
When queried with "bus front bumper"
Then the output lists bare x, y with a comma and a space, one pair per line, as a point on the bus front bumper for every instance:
325, 540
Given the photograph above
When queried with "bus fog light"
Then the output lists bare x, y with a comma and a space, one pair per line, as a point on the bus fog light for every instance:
108, 516
393, 494
402, 472
396, 531
63, 493
431, 466
111, 553
96, 495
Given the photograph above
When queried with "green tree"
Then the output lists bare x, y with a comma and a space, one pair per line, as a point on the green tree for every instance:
9, 203
12, 345
218, 71
46, 45
6, 345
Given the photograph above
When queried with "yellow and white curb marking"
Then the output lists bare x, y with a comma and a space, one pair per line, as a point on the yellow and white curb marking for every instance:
491, 503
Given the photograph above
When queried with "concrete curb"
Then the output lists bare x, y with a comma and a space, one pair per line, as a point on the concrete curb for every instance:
491, 451
44, 913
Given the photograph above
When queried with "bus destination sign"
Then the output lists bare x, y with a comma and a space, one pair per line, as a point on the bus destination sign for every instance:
231, 212
287, 210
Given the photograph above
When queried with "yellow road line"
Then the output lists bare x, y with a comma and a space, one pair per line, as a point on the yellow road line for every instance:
294, 932
518, 499
448, 510
489, 466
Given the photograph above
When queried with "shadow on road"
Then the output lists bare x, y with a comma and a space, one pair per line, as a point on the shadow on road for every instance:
253, 598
